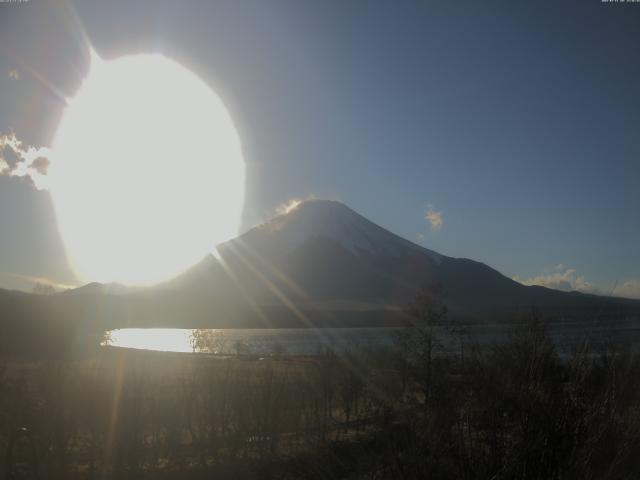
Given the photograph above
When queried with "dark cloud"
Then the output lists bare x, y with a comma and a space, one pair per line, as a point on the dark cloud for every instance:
41, 165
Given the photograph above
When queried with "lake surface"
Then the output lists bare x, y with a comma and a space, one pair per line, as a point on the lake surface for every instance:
307, 341
290, 341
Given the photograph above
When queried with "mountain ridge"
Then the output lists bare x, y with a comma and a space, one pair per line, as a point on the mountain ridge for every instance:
323, 264
325, 251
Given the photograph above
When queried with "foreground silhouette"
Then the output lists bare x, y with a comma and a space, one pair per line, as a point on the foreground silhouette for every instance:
418, 410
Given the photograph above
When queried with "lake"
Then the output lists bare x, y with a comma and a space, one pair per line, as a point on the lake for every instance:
309, 341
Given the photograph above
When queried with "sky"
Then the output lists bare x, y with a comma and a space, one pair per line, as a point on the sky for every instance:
505, 132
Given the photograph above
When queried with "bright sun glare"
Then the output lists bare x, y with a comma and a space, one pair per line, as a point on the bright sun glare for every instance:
148, 174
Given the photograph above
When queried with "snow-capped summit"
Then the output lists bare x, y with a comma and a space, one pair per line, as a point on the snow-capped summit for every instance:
334, 221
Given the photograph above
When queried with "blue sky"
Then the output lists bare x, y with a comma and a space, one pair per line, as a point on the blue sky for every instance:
517, 122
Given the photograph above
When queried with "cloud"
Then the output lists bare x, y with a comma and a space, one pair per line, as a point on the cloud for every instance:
434, 218
41, 165
567, 279
13, 74
34, 284
292, 204
20, 160
44, 289
562, 278
629, 289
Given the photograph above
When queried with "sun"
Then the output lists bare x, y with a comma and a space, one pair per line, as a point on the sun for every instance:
147, 173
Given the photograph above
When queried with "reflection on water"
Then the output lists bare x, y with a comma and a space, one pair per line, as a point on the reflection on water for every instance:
165, 339
309, 341
290, 341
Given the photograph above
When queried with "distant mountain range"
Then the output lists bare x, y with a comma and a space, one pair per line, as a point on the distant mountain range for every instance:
324, 264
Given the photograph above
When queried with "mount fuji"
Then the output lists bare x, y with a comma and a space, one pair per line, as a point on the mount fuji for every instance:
320, 264
323, 263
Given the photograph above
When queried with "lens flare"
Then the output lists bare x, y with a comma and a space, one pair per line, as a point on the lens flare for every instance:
147, 174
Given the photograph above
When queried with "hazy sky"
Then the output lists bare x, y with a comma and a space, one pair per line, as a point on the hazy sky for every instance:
515, 124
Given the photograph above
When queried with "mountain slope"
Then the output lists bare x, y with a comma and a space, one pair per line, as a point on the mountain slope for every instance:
325, 255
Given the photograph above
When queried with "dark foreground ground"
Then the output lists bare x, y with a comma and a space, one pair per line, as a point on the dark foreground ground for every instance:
515, 410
